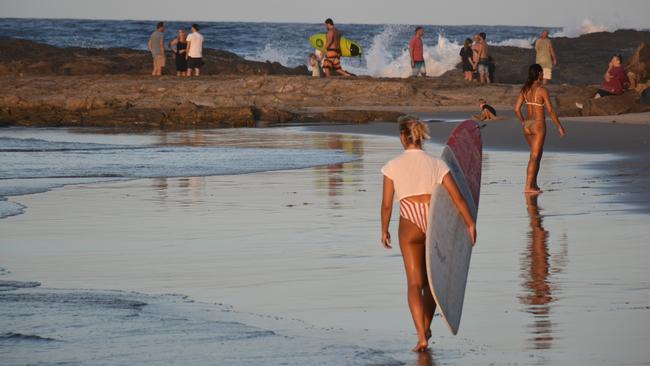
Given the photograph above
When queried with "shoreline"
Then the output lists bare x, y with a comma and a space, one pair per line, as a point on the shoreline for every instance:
332, 282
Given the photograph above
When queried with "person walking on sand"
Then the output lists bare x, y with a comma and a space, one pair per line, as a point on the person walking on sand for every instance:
535, 96
410, 178
194, 51
545, 55
157, 48
416, 51
179, 46
466, 56
332, 61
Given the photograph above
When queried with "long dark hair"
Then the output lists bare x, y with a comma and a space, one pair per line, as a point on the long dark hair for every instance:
534, 71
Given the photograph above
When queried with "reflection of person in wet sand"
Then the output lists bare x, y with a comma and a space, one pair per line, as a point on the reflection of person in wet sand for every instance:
410, 179
538, 291
535, 96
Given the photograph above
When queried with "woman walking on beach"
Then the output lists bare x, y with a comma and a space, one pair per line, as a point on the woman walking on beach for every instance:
410, 178
179, 46
535, 96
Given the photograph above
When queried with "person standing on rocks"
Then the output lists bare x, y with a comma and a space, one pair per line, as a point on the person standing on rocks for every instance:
416, 51
545, 55
480, 60
332, 59
179, 46
194, 51
483, 65
466, 56
157, 48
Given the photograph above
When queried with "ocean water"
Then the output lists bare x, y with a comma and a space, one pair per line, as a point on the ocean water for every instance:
385, 46
285, 267
31, 165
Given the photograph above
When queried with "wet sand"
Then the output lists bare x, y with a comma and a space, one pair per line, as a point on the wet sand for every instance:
558, 280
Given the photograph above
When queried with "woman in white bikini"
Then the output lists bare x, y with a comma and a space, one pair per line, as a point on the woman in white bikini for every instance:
535, 96
409, 179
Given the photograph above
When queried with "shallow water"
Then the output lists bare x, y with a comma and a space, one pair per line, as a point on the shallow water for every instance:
563, 280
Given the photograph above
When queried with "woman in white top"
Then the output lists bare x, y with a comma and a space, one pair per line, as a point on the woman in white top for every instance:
409, 179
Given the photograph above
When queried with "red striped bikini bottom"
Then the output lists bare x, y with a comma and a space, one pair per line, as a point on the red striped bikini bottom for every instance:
415, 212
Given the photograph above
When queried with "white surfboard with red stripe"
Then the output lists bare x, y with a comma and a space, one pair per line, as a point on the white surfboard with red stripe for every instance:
448, 244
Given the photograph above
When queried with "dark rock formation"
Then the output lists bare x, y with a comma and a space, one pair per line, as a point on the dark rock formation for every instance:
611, 105
19, 56
582, 60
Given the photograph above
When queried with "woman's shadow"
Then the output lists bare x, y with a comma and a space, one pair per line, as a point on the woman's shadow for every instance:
536, 271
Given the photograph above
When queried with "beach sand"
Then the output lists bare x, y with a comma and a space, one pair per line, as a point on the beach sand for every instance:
563, 280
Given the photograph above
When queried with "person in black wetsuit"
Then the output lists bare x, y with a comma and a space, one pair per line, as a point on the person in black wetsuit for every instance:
466, 54
487, 111
179, 46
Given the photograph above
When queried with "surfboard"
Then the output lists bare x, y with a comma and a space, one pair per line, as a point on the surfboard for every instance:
448, 243
349, 48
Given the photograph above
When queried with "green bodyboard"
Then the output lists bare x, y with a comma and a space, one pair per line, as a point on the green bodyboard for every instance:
349, 48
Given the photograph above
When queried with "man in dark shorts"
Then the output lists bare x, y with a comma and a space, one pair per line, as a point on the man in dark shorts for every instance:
333, 50
194, 51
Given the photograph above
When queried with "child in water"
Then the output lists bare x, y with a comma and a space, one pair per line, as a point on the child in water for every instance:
487, 111
314, 62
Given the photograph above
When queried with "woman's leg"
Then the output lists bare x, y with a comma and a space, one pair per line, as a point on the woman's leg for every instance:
420, 300
535, 136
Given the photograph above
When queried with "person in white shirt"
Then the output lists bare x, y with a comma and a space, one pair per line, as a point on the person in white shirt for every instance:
194, 51
410, 178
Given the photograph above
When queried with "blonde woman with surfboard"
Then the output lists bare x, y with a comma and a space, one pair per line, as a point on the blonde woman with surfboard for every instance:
410, 178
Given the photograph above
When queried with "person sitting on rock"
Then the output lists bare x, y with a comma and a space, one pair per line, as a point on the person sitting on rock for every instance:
616, 80
487, 111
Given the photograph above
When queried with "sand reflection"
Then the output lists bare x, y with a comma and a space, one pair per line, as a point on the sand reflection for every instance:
536, 272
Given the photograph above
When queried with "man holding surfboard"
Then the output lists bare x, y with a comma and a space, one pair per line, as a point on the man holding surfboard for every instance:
333, 50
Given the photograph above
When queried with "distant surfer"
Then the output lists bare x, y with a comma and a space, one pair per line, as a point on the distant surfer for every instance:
535, 96
332, 59
410, 179
416, 51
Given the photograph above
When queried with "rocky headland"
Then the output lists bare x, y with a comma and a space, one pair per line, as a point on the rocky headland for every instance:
43, 85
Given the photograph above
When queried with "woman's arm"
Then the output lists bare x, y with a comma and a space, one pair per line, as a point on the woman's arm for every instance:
551, 112
518, 106
173, 43
450, 184
386, 211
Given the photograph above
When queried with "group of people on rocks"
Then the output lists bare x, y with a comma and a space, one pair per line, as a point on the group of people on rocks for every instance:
475, 59
187, 51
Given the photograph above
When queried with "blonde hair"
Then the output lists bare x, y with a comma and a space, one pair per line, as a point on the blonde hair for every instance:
414, 130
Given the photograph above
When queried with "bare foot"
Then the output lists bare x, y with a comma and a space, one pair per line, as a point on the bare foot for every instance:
422, 346
427, 335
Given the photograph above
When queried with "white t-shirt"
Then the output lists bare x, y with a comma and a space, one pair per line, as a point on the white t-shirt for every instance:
414, 172
196, 45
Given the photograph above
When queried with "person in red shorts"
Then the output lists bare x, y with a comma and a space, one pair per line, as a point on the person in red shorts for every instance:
333, 50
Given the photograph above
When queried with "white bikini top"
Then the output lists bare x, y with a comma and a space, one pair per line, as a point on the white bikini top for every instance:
534, 99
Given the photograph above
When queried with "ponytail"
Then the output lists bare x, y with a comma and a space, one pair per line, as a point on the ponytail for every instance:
413, 129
